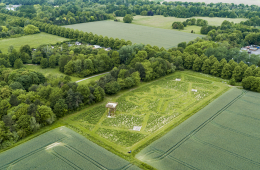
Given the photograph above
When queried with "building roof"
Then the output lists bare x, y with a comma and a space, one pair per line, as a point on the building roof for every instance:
111, 105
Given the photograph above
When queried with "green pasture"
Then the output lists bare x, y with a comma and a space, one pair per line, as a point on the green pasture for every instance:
159, 21
32, 40
50, 71
223, 135
55, 72
155, 106
61, 148
136, 33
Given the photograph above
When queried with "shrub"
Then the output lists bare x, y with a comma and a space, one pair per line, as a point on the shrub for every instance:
31, 29
128, 18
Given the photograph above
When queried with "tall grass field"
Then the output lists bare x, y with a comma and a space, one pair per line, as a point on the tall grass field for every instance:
154, 106
136, 33
223, 135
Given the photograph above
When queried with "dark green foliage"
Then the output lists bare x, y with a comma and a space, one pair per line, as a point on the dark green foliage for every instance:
177, 25
232, 82
182, 44
44, 63
112, 87
16, 85
60, 108
128, 18
18, 64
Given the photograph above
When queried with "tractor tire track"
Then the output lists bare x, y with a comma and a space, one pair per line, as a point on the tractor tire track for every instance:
193, 132
96, 163
12, 163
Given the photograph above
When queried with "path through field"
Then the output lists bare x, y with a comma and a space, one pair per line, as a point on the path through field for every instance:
91, 77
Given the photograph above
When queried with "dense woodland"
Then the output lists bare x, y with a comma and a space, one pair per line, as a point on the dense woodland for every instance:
29, 100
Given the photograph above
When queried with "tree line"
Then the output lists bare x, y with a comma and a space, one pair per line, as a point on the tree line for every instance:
29, 101
192, 21
71, 12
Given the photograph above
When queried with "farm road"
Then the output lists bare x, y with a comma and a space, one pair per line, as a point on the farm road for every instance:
90, 77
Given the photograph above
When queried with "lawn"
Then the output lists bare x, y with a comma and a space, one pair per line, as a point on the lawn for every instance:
159, 21
32, 40
155, 106
61, 148
136, 33
223, 135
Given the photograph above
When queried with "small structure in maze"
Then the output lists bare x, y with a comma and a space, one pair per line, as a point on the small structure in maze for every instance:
111, 108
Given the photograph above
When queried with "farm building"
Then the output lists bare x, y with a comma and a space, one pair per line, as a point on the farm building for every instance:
111, 108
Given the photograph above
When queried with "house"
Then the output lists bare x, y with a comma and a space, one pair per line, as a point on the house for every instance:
77, 43
12, 7
96, 46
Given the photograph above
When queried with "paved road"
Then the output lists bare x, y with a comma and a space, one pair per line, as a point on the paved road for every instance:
91, 77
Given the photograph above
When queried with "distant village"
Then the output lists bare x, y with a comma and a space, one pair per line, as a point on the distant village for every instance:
252, 49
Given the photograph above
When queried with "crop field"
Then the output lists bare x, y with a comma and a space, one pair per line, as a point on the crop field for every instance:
32, 40
154, 106
136, 33
159, 21
223, 135
61, 148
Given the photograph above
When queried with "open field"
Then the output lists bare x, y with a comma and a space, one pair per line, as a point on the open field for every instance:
250, 2
50, 71
155, 106
136, 33
56, 72
223, 135
159, 21
61, 148
32, 40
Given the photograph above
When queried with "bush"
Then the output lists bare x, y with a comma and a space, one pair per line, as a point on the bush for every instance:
31, 29
232, 82
128, 18
177, 25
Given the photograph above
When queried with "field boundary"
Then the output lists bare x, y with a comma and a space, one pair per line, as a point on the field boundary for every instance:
158, 136
188, 136
96, 139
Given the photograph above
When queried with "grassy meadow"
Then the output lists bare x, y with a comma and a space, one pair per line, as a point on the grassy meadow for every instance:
136, 33
154, 106
50, 71
223, 135
55, 72
159, 21
61, 148
32, 40
157, 107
